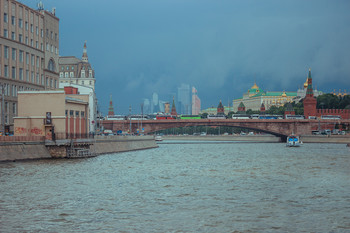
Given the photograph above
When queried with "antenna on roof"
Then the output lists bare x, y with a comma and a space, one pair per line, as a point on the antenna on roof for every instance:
40, 6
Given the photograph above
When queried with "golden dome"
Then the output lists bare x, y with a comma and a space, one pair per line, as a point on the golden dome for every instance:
284, 94
254, 86
305, 84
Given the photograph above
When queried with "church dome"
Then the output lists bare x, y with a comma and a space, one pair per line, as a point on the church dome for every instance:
284, 94
254, 86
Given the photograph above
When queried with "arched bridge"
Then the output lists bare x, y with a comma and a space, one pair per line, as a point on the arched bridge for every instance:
281, 127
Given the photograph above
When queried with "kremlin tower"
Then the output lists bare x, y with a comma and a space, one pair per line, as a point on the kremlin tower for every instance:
173, 109
110, 108
220, 109
310, 101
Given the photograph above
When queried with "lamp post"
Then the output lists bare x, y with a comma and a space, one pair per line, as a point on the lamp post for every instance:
130, 118
141, 116
2, 85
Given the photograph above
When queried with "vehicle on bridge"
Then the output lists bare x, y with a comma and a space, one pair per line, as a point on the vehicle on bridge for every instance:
165, 117
295, 117
241, 116
270, 117
137, 117
189, 117
329, 117
216, 117
116, 117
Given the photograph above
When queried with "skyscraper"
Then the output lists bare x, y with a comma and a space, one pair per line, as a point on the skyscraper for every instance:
184, 99
196, 102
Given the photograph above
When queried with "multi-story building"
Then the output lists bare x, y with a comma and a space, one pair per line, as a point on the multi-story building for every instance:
78, 73
196, 102
29, 48
184, 99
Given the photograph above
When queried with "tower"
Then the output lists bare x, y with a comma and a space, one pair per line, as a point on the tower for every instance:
262, 108
85, 56
220, 109
241, 108
173, 108
110, 108
309, 101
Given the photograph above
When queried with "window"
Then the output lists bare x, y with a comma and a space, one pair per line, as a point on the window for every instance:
51, 48
13, 72
20, 23
13, 35
14, 107
67, 67
61, 75
90, 73
71, 74
71, 113
37, 30
13, 20
47, 33
76, 113
27, 58
42, 33
20, 38
27, 41
14, 54
21, 55
42, 80
66, 113
55, 36
47, 47
82, 74
37, 62
42, 46
26, 24
33, 77
6, 52
66, 74
31, 43
6, 33
27, 75
55, 84
31, 28
82, 113
36, 44
5, 18
32, 60
6, 71
20, 73
51, 65
37, 78
51, 84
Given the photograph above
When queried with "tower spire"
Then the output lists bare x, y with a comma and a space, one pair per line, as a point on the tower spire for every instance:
173, 108
85, 56
309, 90
110, 108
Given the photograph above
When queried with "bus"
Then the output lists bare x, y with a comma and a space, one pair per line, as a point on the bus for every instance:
270, 117
295, 117
188, 117
330, 117
216, 117
165, 117
116, 117
240, 116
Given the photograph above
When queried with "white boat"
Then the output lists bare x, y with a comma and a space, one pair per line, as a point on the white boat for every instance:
158, 138
293, 141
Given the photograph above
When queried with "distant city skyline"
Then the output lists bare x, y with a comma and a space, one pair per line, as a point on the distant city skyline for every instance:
221, 48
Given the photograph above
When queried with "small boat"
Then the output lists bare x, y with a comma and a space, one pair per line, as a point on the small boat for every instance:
293, 141
158, 138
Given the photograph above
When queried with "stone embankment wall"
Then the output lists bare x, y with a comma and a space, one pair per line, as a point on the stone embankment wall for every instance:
113, 144
325, 139
254, 138
12, 151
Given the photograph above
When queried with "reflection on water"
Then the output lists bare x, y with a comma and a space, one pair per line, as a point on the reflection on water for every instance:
182, 187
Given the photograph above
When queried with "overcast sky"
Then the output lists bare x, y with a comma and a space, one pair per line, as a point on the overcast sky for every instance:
138, 47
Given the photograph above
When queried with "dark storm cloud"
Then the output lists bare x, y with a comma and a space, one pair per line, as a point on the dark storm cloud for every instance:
221, 47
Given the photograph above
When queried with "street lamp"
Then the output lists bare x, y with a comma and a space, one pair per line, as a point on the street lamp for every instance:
141, 116
130, 118
2, 85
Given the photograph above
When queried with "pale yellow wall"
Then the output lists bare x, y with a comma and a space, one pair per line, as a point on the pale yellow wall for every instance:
37, 104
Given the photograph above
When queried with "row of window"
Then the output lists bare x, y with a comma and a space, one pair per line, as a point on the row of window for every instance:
28, 76
71, 74
49, 47
12, 90
26, 26
77, 113
82, 82
30, 58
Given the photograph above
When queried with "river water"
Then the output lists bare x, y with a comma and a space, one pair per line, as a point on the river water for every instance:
192, 187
